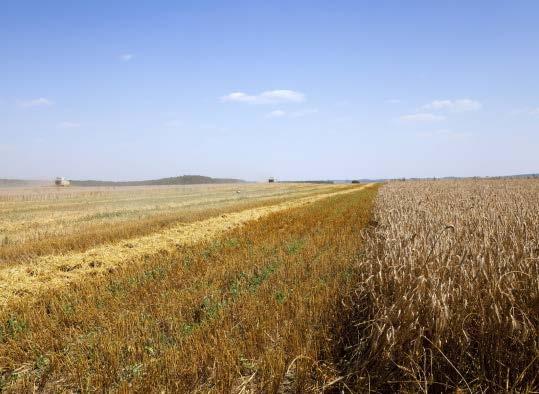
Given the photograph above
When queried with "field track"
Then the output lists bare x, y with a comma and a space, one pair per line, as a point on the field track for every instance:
55, 271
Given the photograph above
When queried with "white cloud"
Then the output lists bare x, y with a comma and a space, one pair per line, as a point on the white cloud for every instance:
68, 125
276, 114
280, 96
268, 97
534, 111
38, 102
126, 57
460, 105
393, 101
422, 118
239, 97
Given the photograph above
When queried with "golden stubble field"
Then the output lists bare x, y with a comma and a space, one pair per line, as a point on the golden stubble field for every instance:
53, 221
202, 316
29, 214
219, 209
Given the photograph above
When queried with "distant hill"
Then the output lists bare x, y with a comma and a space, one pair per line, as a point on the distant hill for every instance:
177, 180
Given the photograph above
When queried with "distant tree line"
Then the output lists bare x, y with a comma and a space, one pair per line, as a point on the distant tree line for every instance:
177, 180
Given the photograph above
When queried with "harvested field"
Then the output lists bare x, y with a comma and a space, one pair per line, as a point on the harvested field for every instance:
53, 271
252, 309
44, 221
28, 214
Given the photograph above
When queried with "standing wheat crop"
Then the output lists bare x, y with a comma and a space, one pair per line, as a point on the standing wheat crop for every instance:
449, 291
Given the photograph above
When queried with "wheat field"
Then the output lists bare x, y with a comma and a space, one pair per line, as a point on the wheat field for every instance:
448, 294
417, 286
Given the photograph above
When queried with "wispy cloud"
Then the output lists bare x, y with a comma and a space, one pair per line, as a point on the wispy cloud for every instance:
276, 114
279, 113
239, 97
68, 125
126, 57
38, 102
422, 118
268, 97
393, 101
459, 105
534, 111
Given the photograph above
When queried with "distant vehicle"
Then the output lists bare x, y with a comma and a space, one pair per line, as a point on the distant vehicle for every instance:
61, 181
271, 180
355, 181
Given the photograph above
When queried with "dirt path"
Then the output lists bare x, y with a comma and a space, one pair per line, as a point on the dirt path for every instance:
57, 271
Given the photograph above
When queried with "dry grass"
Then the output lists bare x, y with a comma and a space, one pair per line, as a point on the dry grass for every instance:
257, 309
448, 295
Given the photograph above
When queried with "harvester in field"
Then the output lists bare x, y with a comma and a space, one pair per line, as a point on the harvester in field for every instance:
61, 181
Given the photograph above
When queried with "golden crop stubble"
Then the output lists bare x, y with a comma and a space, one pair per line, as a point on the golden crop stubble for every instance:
32, 218
82, 219
28, 279
449, 296
257, 302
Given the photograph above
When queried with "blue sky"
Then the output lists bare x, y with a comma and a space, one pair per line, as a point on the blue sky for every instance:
295, 90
